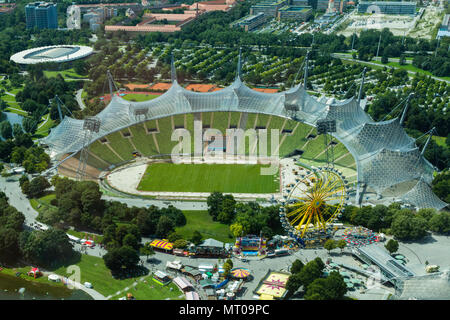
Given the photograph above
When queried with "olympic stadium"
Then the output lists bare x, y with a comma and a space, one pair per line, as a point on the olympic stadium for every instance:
387, 162
58, 54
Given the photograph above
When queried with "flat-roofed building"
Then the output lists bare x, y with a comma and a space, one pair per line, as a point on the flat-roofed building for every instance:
250, 22
294, 13
269, 8
389, 267
387, 7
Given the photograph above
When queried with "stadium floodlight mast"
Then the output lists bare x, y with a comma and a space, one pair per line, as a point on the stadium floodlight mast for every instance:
90, 125
324, 127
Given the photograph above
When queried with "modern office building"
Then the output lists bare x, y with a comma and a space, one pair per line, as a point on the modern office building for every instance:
250, 22
387, 7
320, 5
294, 13
41, 15
269, 8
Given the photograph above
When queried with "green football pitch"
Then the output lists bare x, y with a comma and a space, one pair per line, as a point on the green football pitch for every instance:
230, 178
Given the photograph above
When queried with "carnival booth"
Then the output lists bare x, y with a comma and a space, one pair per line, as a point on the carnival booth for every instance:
183, 284
162, 245
35, 273
211, 248
161, 278
250, 245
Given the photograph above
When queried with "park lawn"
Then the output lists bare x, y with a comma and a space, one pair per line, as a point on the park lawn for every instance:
23, 275
139, 97
43, 201
233, 178
202, 222
150, 290
44, 130
409, 67
93, 270
68, 74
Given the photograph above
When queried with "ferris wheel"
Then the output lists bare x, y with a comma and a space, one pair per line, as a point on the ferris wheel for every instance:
314, 202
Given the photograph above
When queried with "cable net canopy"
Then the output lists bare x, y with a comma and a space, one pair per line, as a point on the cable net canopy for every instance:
384, 154
348, 115
422, 196
372, 136
385, 168
434, 286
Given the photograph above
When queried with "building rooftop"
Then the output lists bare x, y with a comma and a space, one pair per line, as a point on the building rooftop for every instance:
248, 18
269, 3
388, 3
381, 257
295, 8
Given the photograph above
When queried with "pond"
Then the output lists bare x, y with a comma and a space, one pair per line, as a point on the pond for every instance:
11, 288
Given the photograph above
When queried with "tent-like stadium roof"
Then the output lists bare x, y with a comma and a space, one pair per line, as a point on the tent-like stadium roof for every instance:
384, 154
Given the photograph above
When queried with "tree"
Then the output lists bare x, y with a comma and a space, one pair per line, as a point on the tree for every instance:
29, 125
331, 288
196, 238
174, 236
236, 229
147, 251
17, 130
130, 241
121, 259
294, 283
297, 266
6, 130
407, 226
46, 248
440, 222
227, 266
391, 246
37, 187
311, 271
341, 244
227, 209
180, 244
165, 226
329, 245
214, 202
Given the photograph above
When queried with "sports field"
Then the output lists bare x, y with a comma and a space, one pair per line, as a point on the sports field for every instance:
232, 178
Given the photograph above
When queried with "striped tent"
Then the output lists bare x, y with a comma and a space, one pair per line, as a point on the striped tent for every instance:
161, 244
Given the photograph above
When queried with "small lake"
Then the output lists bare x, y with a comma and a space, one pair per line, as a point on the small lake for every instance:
10, 285
13, 118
